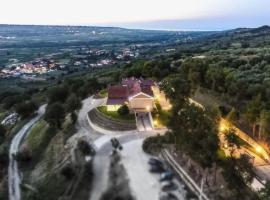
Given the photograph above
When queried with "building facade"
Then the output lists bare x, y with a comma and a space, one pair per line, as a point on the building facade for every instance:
137, 94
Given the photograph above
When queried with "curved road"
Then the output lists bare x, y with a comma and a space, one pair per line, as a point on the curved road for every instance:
13, 172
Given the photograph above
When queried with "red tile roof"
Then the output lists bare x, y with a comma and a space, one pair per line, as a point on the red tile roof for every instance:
116, 101
147, 82
118, 91
148, 90
118, 94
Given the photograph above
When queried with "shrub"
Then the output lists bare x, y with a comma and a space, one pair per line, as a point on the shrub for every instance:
153, 144
57, 94
73, 103
26, 109
123, 110
68, 172
74, 117
85, 148
24, 155
55, 115
4, 155
2, 133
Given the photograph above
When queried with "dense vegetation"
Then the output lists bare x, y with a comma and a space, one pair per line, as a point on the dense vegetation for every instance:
233, 65
230, 67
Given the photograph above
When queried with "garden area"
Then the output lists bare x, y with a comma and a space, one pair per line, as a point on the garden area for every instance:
117, 115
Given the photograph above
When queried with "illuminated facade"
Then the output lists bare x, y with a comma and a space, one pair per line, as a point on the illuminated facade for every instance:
137, 94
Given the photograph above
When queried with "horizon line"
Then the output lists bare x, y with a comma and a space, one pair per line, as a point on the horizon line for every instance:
128, 28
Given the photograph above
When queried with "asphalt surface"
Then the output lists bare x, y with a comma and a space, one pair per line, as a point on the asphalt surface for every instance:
14, 179
143, 184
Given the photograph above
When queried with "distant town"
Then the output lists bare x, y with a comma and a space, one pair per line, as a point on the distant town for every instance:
85, 58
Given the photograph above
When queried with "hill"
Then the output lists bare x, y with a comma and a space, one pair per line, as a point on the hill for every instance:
245, 37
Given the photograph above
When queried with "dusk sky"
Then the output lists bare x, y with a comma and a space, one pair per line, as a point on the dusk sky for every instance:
149, 14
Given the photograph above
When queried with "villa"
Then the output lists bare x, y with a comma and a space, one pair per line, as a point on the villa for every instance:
137, 94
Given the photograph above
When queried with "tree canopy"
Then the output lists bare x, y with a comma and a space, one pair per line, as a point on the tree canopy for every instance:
55, 114
26, 109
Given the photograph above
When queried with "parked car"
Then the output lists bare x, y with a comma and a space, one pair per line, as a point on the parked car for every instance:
155, 161
168, 186
168, 196
166, 176
156, 168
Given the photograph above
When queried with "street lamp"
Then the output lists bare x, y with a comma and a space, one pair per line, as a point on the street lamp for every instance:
222, 127
258, 149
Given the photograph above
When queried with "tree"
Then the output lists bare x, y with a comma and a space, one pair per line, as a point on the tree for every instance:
57, 94
148, 68
264, 122
232, 116
214, 113
264, 193
177, 89
73, 85
216, 78
26, 109
73, 103
2, 133
253, 110
123, 110
24, 155
245, 168
86, 148
4, 154
10, 101
92, 85
55, 114
68, 172
238, 173
74, 117
232, 140
195, 69
195, 133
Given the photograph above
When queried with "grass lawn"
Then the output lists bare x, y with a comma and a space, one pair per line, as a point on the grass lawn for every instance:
38, 139
103, 93
36, 135
115, 114
2, 115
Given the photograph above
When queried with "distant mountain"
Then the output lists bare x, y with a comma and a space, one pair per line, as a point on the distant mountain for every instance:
50, 36
247, 37
251, 31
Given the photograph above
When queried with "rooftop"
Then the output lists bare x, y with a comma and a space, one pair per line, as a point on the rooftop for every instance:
118, 94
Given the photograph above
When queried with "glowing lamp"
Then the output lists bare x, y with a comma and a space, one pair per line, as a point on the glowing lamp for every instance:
258, 149
222, 127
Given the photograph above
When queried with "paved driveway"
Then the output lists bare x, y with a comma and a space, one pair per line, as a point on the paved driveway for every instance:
143, 122
144, 185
